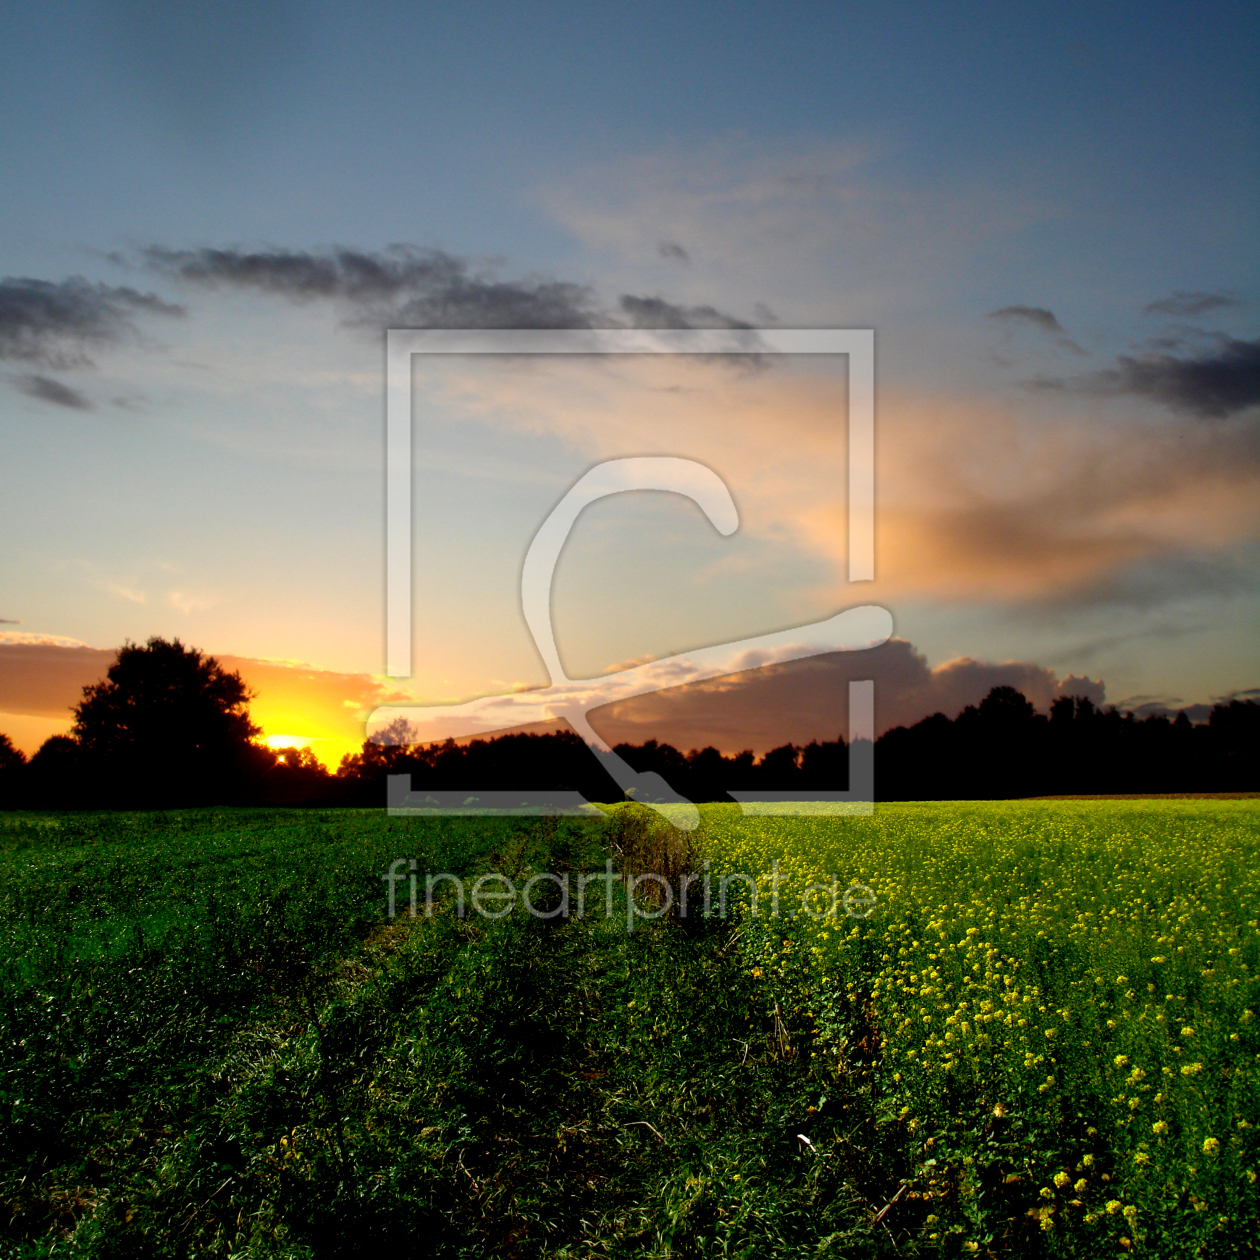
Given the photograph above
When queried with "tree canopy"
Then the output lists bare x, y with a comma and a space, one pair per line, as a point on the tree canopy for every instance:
168, 723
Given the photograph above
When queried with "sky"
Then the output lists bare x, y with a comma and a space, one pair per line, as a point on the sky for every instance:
1049, 216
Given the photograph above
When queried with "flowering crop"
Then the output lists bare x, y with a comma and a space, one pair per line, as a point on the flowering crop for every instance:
1051, 1006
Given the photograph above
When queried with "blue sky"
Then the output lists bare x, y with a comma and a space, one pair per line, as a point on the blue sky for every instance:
912, 168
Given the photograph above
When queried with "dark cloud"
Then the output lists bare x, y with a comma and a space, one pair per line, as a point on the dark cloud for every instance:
803, 700
671, 249
1247, 693
401, 284
47, 390
51, 324
1214, 384
1184, 304
9, 621
1169, 707
412, 287
654, 312
1039, 318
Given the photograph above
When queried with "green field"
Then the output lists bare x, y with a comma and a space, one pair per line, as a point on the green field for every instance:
1034, 1034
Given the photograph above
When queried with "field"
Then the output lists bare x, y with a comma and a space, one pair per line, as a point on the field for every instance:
1029, 1031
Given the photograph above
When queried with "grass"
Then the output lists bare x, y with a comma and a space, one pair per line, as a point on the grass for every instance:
1051, 1010
214, 1041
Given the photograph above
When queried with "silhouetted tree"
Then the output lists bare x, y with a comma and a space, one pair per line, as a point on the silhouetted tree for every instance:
10, 757
778, 770
168, 725
1000, 748
12, 760
53, 777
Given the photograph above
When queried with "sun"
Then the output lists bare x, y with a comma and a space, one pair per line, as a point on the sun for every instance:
277, 742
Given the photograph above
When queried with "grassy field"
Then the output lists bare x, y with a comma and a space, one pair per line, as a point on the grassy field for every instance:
1033, 1034
1051, 1010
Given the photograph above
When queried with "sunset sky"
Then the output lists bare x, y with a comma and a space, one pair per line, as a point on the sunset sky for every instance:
1050, 216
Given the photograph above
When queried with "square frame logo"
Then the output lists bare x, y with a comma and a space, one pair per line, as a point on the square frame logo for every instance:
856, 628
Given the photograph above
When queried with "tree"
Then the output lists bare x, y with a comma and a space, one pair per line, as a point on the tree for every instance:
11, 762
10, 757
168, 725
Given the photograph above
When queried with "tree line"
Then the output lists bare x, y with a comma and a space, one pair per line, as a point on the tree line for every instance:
168, 727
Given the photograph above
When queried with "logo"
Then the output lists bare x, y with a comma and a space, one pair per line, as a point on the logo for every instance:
572, 699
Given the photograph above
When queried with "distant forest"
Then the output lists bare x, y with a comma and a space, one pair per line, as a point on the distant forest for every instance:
170, 728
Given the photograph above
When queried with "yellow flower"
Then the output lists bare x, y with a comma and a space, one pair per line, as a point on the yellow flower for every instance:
1061, 1179
1113, 1206
1159, 1127
1081, 1186
1192, 1069
1187, 1031
1121, 1060
1211, 1146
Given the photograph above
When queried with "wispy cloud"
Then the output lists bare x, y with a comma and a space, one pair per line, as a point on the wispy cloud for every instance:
413, 287
1036, 317
53, 324
129, 593
189, 602
51, 391
1181, 304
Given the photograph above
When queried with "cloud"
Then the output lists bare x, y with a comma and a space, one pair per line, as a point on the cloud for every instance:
763, 701
1213, 385
829, 232
804, 700
51, 324
1039, 318
414, 287
1169, 707
48, 640
671, 249
1181, 303
655, 312
47, 390
44, 675
1016, 502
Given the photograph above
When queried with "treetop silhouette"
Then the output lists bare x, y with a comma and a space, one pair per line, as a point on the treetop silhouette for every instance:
165, 719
